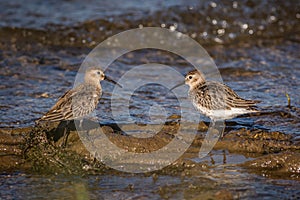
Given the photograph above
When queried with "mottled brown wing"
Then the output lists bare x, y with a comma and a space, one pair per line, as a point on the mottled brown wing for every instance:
218, 96
75, 103
62, 108
235, 101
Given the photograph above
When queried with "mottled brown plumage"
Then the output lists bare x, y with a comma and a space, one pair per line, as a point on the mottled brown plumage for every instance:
216, 100
215, 96
75, 103
79, 101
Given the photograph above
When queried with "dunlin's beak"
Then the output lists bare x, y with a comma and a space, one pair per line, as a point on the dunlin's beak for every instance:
180, 84
112, 81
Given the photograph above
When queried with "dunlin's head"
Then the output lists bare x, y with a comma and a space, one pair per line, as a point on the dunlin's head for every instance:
194, 78
95, 75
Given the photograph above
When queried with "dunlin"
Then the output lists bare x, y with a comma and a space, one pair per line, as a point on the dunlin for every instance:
214, 99
79, 101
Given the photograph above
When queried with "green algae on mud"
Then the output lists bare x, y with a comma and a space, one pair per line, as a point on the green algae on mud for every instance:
38, 149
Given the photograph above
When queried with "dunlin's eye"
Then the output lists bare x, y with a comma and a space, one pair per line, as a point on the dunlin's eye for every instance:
190, 77
98, 73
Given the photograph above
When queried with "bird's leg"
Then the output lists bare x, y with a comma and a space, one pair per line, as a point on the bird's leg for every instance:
213, 123
65, 135
80, 123
222, 134
218, 127
212, 126
221, 128
224, 157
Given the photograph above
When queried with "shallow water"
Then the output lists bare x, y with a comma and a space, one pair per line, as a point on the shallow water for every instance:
222, 181
254, 44
263, 65
30, 89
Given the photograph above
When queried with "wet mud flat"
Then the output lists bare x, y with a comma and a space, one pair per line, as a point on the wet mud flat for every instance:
240, 159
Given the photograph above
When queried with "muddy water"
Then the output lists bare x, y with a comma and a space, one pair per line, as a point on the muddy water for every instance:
241, 184
254, 44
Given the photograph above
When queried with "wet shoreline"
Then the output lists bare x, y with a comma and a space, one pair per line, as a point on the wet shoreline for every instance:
259, 145
255, 154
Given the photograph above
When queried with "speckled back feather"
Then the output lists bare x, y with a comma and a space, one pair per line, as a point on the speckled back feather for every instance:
75, 103
218, 96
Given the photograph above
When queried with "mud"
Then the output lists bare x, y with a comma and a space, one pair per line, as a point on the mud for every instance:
39, 149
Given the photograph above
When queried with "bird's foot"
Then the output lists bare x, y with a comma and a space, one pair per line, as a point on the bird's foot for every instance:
65, 138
